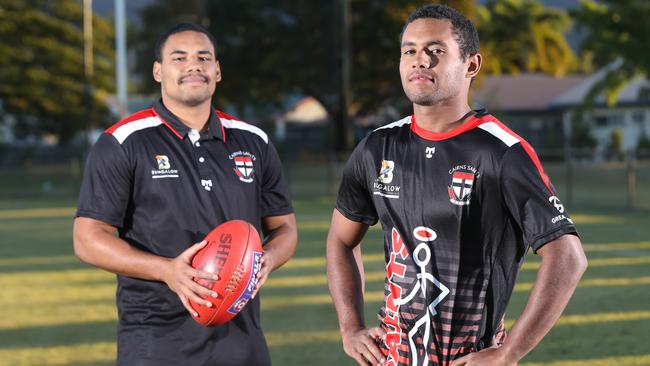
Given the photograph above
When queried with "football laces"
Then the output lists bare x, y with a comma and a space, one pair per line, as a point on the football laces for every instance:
236, 277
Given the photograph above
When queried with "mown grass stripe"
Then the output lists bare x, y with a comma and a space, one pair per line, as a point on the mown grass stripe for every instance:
279, 339
307, 262
106, 351
597, 282
59, 355
271, 302
640, 360
28, 261
38, 213
601, 262
52, 278
374, 258
65, 303
606, 247
596, 219
374, 276
37, 315
92, 283
596, 318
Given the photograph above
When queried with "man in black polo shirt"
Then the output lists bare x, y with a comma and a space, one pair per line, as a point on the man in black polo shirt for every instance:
461, 198
163, 178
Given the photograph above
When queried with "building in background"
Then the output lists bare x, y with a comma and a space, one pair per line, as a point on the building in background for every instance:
544, 109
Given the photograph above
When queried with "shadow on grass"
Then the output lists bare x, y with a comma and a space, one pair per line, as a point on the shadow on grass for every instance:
58, 335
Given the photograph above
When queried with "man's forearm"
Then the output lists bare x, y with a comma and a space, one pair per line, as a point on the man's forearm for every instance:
345, 285
281, 239
96, 244
563, 263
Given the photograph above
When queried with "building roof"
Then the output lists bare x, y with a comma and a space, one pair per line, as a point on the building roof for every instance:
524, 92
537, 92
635, 92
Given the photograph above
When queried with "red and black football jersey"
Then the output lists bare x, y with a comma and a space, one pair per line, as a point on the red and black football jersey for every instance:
458, 210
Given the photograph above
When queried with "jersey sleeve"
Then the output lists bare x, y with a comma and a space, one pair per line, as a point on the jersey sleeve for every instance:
531, 199
276, 200
107, 181
354, 200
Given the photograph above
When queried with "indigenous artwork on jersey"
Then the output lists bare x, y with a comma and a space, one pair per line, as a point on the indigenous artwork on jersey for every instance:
413, 336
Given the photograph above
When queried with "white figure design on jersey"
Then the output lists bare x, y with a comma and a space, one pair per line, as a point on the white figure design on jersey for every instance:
425, 235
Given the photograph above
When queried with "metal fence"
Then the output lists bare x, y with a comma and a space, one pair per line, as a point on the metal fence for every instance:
55, 173
583, 184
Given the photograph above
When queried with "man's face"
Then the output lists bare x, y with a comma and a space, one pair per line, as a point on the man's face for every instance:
431, 67
189, 70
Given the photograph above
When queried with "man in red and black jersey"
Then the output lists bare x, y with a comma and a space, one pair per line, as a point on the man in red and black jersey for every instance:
461, 199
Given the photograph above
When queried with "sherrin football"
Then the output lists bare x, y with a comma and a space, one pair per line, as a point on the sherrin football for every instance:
233, 253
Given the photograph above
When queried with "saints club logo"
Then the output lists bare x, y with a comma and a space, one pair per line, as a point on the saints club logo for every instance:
463, 178
244, 167
386, 171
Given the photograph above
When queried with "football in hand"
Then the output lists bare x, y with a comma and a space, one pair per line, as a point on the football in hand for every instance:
233, 253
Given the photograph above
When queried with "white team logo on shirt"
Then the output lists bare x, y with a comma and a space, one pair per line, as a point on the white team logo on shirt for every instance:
429, 151
382, 186
207, 184
164, 168
163, 162
556, 202
560, 208
463, 178
386, 171
244, 165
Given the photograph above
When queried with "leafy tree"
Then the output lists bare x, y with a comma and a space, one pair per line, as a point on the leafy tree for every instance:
270, 50
616, 30
524, 36
42, 69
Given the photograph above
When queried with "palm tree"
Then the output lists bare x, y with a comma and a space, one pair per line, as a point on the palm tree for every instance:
524, 36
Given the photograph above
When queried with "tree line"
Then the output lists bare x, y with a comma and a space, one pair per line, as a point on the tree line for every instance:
271, 50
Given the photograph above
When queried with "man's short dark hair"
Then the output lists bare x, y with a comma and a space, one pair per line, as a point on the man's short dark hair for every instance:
178, 28
462, 28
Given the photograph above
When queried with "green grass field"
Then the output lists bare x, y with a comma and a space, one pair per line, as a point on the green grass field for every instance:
57, 311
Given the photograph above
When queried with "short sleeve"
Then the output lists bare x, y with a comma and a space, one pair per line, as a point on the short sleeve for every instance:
354, 200
276, 200
531, 199
106, 185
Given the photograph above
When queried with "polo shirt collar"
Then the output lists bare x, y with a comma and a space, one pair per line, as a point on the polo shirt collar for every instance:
214, 130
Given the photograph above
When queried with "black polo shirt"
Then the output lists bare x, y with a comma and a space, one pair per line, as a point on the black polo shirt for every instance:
165, 186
